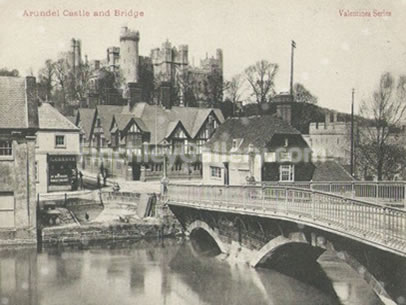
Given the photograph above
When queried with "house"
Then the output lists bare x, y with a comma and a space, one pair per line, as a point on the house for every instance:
256, 148
263, 149
57, 150
132, 137
18, 125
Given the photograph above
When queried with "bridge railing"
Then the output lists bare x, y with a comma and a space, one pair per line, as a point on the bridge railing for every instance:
374, 223
385, 192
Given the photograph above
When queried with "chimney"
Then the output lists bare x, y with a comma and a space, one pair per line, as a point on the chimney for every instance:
32, 101
134, 94
165, 95
327, 119
284, 107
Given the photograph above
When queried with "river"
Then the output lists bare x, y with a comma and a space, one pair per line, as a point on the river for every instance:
163, 272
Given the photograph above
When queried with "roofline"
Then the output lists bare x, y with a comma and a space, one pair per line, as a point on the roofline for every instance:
59, 129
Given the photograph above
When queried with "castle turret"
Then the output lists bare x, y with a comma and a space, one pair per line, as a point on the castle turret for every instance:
113, 56
183, 55
129, 54
219, 57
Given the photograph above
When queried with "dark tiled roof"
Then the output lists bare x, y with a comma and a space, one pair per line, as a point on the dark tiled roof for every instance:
106, 113
256, 130
151, 118
14, 113
86, 117
50, 118
330, 171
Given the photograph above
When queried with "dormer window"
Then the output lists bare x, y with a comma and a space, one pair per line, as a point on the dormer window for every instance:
234, 144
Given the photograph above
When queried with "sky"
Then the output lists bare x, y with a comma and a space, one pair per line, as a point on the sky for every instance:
334, 53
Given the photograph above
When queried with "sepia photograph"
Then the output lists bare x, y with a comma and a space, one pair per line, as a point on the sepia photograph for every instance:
202, 152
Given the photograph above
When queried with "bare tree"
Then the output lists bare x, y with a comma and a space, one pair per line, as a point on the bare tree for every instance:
260, 77
234, 88
382, 154
46, 80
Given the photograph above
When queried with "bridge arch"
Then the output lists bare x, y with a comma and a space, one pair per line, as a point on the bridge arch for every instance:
198, 224
288, 248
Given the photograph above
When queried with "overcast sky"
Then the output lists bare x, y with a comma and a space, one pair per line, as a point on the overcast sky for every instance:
333, 55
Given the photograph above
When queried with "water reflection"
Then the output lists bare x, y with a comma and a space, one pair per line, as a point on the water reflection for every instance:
158, 273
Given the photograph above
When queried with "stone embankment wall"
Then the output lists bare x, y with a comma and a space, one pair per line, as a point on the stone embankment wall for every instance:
162, 224
86, 234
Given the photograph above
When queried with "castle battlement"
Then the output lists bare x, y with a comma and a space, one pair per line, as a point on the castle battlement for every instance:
127, 34
329, 128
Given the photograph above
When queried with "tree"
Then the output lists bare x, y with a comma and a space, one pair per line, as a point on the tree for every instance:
7, 72
260, 77
214, 88
233, 88
302, 95
186, 88
61, 73
382, 155
46, 80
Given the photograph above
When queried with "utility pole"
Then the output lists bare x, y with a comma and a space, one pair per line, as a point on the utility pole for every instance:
293, 46
352, 134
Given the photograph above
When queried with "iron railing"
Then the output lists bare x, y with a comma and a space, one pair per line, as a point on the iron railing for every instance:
378, 225
383, 192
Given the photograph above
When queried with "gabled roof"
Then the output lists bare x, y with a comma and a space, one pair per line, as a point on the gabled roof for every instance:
172, 126
158, 119
50, 118
16, 113
255, 130
123, 120
153, 119
86, 118
106, 113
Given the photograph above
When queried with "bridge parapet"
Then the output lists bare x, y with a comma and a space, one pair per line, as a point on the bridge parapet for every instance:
370, 223
384, 192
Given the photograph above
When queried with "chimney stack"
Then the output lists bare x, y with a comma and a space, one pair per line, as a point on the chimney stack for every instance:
327, 119
134, 94
32, 101
284, 107
165, 95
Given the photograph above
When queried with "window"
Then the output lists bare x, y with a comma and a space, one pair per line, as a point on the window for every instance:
6, 148
215, 171
60, 141
287, 173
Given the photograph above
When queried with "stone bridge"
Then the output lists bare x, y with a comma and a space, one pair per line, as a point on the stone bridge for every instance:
276, 226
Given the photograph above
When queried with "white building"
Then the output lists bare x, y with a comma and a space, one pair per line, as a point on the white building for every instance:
56, 152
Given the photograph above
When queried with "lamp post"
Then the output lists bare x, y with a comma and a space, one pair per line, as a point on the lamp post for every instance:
165, 180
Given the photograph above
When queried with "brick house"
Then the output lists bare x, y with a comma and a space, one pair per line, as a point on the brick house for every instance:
18, 125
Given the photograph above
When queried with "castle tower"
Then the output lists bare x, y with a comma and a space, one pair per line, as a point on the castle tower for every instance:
129, 54
219, 57
113, 56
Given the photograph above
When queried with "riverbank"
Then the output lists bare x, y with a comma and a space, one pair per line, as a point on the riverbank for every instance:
119, 216
85, 234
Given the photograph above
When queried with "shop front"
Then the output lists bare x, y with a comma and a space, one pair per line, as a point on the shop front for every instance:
62, 173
